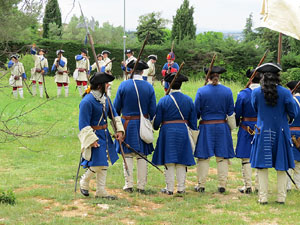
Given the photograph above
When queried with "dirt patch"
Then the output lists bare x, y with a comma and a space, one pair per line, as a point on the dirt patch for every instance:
36, 186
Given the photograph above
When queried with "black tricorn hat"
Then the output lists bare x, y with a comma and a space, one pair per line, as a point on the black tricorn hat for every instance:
84, 51
257, 77
14, 56
127, 51
269, 67
292, 84
154, 57
43, 50
101, 77
142, 65
105, 52
180, 78
215, 69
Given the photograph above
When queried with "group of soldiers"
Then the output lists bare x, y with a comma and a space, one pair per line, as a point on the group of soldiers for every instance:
60, 67
264, 113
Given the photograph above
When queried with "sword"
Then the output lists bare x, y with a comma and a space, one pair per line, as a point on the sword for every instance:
78, 169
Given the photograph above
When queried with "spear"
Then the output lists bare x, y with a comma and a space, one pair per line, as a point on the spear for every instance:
254, 73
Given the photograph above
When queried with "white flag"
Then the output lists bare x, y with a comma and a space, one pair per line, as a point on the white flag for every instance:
282, 16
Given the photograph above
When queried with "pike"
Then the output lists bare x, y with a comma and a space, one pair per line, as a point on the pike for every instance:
176, 75
210, 68
254, 73
108, 99
139, 56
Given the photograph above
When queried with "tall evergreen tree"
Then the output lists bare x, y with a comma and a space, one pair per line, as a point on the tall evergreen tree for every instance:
153, 24
52, 15
183, 22
248, 34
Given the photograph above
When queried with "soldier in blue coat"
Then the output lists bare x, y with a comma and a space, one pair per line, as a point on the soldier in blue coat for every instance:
246, 119
96, 143
272, 140
295, 132
214, 105
126, 103
173, 148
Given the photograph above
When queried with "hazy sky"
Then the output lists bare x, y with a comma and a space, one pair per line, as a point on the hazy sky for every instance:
216, 15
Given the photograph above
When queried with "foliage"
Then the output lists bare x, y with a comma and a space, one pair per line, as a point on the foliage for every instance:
54, 32
52, 15
290, 60
183, 22
248, 33
155, 25
289, 75
19, 19
7, 197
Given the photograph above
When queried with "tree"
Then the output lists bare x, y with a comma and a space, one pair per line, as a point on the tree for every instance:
249, 35
52, 15
183, 22
19, 20
153, 24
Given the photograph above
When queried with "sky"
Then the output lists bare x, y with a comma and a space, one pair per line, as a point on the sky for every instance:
209, 15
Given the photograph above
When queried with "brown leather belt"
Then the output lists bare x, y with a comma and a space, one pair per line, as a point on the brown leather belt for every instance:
247, 129
212, 121
38, 70
249, 119
81, 70
101, 127
295, 128
62, 72
174, 121
128, 118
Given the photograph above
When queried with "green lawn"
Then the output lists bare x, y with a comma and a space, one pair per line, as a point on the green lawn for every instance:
42, 173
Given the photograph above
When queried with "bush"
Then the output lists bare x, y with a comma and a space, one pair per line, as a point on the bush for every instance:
7, 197
289, 75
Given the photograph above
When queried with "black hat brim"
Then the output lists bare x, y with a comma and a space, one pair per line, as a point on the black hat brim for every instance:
215, 69
100, 78
142, 65
180, 78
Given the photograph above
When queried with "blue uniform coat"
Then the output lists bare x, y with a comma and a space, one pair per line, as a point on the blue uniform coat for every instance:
173, 144
272, 144
214, 103
126, 103
243, 108
296, 123
90, 111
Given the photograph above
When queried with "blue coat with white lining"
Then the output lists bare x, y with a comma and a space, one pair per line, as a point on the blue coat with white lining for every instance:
173, 144
214, 103
296, 123
272, 143
243, 108
126, 103
90, 112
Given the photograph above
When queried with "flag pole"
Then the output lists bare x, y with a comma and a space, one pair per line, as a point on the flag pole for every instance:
279, 48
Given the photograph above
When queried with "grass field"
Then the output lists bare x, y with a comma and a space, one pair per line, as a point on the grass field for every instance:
42, 176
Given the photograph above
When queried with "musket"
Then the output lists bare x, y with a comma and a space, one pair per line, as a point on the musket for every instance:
27, 87
108, 99
254, 73
44, 83
287, 173
113, 59
210, 68
172, 47
176, 75
139, 56
141, 155
296, 87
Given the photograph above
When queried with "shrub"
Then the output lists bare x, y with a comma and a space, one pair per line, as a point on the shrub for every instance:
7, 197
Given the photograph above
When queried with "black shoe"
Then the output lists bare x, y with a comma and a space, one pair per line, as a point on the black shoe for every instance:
84, 192
165, 191
221, 189
256, 191
288, 190
245, 190
281, 203
200, 189
263, 203
129, 190
108, 197
141, 191
180, 192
